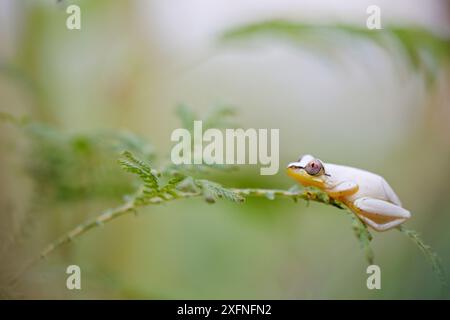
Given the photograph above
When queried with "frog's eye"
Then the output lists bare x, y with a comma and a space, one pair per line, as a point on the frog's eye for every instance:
314, 167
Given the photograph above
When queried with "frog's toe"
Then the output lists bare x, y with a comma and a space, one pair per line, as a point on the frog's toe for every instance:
379, 214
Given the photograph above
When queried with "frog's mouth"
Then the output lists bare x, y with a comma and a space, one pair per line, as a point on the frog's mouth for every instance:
296, 171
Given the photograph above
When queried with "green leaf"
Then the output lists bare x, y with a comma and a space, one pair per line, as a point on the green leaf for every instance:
172, 184
131, 164
213, 190
364, 237
423, 49
429, 253
153, 190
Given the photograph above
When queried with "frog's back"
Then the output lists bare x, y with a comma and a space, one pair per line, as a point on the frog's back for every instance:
370, 184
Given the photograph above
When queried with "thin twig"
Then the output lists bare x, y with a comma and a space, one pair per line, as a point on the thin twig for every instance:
132, 206
364, 237
362, 233
429, 254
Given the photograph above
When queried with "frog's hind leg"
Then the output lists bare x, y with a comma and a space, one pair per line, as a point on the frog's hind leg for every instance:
379, 214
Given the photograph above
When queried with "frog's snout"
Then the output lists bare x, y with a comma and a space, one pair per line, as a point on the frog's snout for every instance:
294, 165
295, 170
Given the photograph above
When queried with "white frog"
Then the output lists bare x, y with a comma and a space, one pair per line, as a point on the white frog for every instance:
366, 194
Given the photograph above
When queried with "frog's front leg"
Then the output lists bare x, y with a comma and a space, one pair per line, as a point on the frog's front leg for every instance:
343, 189
379, 214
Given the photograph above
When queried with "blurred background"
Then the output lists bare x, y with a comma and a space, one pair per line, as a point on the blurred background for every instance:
373, 99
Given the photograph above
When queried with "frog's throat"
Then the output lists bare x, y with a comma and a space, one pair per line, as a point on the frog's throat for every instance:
305, 179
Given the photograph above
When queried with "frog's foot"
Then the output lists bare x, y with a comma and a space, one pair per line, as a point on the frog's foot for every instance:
380, 215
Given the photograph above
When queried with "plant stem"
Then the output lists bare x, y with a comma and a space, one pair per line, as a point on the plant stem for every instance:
132, 206
103, 218
361, 231
429, 254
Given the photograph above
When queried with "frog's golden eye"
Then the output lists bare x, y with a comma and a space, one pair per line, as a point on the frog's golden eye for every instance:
314, 167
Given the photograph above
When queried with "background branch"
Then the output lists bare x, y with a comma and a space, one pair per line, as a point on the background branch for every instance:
133, 205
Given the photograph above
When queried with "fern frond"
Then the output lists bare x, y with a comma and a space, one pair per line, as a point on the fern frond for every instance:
134, 165
429, 254
179, 186
423, 49
212, 191
364, 237
170, 188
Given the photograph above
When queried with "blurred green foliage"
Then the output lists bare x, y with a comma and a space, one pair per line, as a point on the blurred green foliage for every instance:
424, 50
121, 75
59, 161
